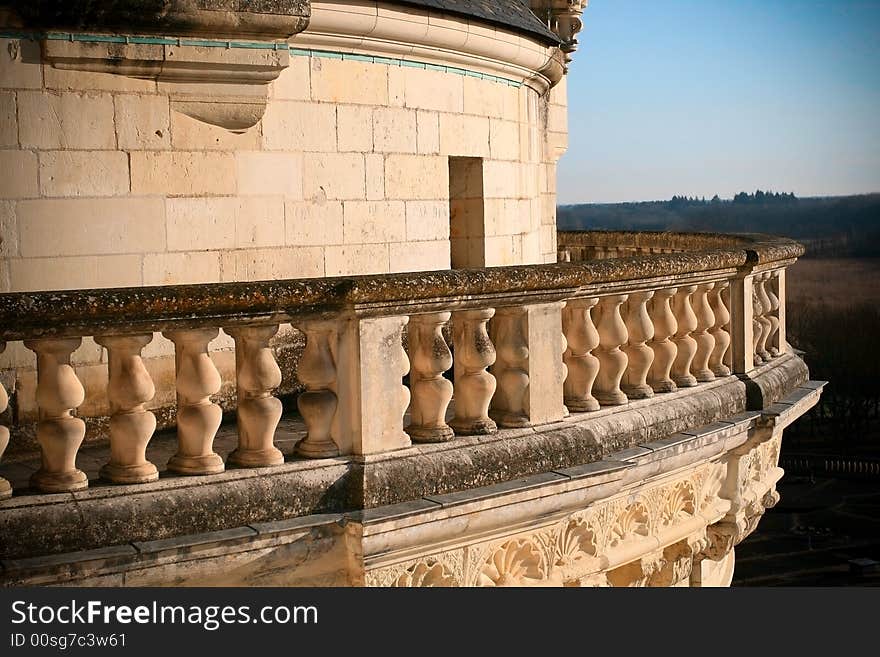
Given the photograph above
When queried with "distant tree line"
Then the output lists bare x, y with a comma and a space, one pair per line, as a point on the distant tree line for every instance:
847, 225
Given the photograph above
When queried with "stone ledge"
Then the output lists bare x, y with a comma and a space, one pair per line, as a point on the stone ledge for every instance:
42, 525
386, 532
120, 310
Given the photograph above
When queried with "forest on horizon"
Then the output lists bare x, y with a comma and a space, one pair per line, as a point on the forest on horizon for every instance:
836, 226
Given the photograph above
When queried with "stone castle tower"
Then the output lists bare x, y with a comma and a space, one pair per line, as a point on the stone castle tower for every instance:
333, 224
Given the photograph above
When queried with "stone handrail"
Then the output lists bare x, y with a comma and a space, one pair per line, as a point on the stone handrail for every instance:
530, 344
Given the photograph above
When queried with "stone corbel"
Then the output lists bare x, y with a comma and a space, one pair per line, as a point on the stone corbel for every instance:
564, 18
215, 68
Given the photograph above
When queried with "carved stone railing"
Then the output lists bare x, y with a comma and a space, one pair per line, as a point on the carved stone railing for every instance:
759, 283
530, 344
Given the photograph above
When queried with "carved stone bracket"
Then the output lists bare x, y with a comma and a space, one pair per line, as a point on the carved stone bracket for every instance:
564, 18
218, 81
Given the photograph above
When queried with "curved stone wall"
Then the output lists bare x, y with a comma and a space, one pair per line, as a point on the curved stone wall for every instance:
116, 174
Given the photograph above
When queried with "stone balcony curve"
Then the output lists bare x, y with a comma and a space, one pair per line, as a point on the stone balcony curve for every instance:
612, 419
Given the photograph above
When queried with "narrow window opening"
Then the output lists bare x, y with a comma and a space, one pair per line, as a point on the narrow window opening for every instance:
466, 219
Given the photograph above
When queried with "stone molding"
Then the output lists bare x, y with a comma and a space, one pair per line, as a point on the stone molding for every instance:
375, 28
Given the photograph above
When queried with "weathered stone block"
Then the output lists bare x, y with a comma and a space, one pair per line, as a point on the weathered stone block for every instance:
432, 90
420, 256
182, 173
427, 220
335, 176
142, 122
464, 135
182, 268
313, 224
356, 259
375, 163
291, 126
8, 230
354, 129
331, 81
71, 273
67, 120
278, 263
504, 140
416, 177
84, 173
201, 223
269, 173
366, 222
394, 130
19, 179
8, 121
428, 129
259, 221
91, 226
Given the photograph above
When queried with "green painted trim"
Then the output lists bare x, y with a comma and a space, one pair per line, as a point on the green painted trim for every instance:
252, 45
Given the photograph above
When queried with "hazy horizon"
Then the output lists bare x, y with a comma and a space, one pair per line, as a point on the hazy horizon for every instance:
722, 198
694, 98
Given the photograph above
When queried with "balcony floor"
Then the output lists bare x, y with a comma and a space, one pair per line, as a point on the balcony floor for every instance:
162, 447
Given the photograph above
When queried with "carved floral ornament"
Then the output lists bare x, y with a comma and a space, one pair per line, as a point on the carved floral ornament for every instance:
578, 550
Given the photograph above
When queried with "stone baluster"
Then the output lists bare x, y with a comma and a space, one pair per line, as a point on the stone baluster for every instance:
5, 486
509, 333
59, 433
474, 386
718, 360
612, 360
258, 410
318, 404
686, 320
779, 340
663, 347
198, 418
582, 337
757, 325
704, 339
640, 357
764, 316
429, 358
129, 388
772, 345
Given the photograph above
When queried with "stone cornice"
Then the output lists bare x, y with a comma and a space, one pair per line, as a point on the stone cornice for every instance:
376, 28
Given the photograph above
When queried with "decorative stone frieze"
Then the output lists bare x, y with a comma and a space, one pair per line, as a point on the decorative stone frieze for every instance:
650, 536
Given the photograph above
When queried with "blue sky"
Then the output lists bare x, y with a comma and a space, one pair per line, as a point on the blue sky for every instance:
698, 97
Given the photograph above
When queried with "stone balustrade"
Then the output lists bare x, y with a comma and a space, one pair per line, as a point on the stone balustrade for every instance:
530, 345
